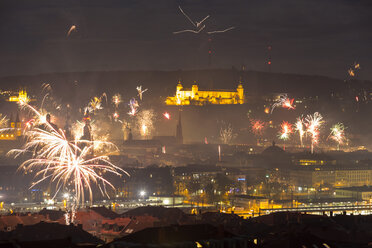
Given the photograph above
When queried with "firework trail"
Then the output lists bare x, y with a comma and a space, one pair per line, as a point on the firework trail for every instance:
220, 31
226, 134
166, 115
189, 31
338, 134
3, 121
46, 87
300, 129
257, 127
116, 100
72, 28
286, 130
140, 91
133, 104
284, 102
313, 123
353, 69
196, 24
63, 162
199, 26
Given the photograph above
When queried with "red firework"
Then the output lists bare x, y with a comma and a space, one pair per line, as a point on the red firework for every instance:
257, 126
288, 103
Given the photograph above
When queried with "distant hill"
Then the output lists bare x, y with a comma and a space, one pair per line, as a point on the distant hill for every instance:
84, 85
335, 99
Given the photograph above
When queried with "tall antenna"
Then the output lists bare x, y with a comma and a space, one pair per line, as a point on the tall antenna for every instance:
269, 62
209, 51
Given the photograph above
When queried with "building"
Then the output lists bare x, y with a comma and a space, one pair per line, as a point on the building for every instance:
14, 130
336, 177
194, 96
362, 193
167, 200
248, 202
22, 96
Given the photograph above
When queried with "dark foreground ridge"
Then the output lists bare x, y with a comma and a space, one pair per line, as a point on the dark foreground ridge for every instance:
209, 229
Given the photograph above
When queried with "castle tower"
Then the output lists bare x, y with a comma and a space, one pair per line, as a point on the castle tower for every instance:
240, 91
179, 136
194, 90
179, 86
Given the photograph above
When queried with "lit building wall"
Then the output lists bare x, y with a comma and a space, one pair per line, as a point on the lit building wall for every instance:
333, 177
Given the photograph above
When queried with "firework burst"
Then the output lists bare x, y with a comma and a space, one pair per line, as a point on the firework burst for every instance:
226, 134
313, 124
286, 130
66, 163
116, 100
145, 120
96, 103
116, 116
166, 115
284, 102
133, 104
140, 91
257, 126
300, 129
338, 134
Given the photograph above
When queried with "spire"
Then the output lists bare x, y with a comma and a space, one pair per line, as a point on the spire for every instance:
68, 128
179, 136
11, 122
17, 118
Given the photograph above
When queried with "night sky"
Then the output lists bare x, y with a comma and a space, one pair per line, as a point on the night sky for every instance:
307, 37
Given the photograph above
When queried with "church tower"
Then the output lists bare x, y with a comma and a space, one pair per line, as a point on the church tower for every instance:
11, 121
127, 133
179, 136
240, 91
18, 125
87, 130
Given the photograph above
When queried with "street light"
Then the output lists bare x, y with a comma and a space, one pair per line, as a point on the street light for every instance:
142, 193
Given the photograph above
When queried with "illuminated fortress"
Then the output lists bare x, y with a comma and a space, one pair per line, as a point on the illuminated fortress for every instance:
194, 96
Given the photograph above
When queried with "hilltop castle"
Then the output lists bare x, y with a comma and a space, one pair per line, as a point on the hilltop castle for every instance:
194, 96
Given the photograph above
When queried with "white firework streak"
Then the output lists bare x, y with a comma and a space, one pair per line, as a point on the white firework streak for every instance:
226, 134
300, 129
313, 123
63, 162
221, 31
190, 31
198, 25
72, 28
140, 91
